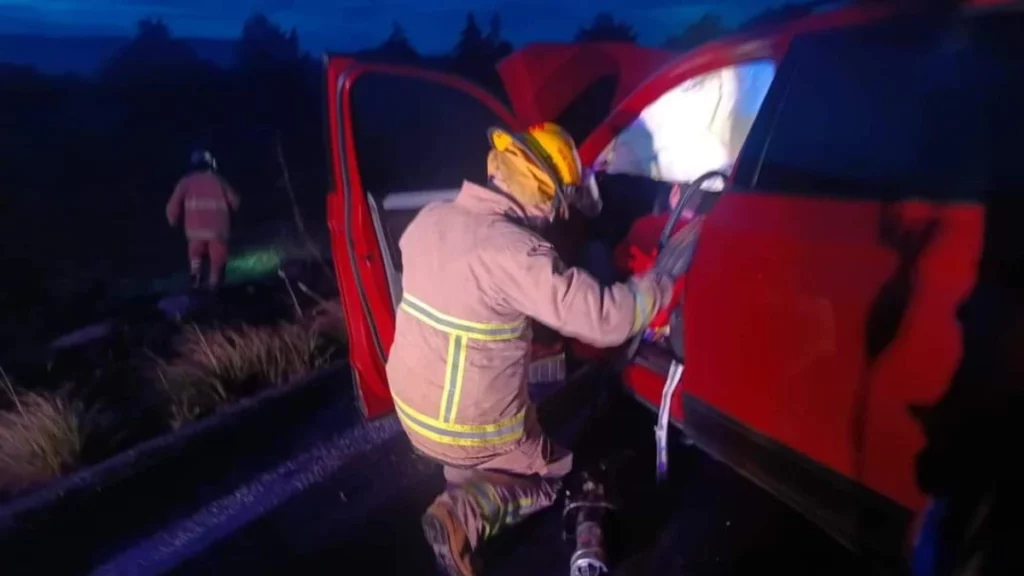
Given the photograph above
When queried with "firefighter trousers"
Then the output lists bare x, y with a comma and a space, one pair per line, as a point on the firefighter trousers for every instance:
216, 250
501, 493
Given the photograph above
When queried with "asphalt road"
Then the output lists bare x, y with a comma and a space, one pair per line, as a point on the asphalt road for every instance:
364, 518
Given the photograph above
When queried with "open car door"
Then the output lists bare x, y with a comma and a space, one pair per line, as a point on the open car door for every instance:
399, 138
689, 118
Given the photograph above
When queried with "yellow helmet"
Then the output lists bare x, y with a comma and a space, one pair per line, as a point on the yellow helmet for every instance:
541, 165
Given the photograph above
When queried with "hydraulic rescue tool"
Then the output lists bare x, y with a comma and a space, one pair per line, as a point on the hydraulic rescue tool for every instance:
586, 516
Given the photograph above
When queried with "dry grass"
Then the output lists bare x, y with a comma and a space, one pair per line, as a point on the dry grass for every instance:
214, 367
40, 438
329, 319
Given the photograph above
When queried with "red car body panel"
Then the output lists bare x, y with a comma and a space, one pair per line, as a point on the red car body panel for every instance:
541, 80
778, 325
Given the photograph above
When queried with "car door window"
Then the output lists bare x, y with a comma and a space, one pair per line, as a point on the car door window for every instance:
416, 140
911, 113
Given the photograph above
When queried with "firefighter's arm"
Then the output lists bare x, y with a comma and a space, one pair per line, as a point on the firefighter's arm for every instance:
173, 209
530, 277
234, 200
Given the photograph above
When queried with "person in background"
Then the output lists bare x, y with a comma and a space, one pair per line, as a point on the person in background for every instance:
475, 272
207, 200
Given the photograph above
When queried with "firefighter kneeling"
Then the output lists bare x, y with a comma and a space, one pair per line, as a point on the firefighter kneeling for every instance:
475, 272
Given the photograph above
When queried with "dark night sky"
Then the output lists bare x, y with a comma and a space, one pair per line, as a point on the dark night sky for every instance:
432, 25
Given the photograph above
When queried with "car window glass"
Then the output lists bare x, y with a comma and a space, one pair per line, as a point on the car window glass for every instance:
696, 127
416, 135
901, 109
416, 140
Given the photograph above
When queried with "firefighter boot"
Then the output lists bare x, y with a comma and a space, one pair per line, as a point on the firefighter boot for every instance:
447, 536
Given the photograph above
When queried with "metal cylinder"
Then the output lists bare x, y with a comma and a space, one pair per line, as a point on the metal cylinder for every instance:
587, 510
590, 558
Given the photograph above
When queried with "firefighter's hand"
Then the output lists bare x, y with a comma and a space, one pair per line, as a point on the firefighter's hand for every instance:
656, 334
640, 261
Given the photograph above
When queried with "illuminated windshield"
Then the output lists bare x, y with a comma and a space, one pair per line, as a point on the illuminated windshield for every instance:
696, 127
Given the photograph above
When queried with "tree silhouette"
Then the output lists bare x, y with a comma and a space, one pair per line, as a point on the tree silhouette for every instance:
707, 28
152, 47
475, 54
605, 28
782, 14
153, 30
396, 48
263, 43
471, 40
499, 47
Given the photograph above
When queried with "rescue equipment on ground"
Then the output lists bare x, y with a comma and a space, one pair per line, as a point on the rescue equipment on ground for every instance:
587, 513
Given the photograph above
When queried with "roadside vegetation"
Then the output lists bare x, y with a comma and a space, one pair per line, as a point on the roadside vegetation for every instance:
40, 437
214, 367
47, 432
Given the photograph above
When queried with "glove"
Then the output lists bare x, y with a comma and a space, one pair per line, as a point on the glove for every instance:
656, 334
640, 261
665, 286
653, 293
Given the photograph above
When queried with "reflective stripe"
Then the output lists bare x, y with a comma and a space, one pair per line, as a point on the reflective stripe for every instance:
518, 509
204, 234
486, 498
459, 333
642, 308
205, 204
461, 434
496, 511
452, 325
454, 371
416, 199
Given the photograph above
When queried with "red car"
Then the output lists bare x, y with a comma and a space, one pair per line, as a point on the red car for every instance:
820, 308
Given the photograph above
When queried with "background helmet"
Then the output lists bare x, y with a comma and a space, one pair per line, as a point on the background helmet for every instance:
540, 166
203, 159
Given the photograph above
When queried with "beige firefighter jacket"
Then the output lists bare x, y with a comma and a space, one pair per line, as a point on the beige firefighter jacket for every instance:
473, 277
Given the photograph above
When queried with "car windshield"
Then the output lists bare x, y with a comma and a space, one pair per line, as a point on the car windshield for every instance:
696, 127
